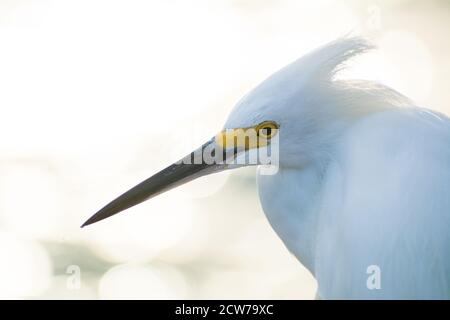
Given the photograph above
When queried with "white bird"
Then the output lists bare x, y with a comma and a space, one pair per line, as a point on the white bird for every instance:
362, 193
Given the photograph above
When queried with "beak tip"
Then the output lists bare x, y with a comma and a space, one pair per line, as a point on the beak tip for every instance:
91, 220
86, 223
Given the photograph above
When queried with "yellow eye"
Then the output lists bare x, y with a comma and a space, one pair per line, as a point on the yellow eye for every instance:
267, 129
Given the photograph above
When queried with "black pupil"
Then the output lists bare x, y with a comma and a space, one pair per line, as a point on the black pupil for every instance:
267, 131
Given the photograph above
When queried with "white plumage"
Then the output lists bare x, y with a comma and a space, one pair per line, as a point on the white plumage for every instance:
367, 184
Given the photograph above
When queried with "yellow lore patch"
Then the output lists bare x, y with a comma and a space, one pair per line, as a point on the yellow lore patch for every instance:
248, 138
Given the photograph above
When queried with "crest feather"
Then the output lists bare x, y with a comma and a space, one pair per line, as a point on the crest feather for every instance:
324, 62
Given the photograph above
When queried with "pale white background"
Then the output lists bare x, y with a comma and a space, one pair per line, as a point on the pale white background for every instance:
97, 95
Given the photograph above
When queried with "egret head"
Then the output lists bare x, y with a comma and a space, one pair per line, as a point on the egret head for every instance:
305, 101
295, 116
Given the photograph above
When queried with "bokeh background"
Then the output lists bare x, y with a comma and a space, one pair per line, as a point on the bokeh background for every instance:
97, 95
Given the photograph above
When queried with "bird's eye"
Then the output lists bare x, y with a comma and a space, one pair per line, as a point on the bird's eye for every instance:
267, 129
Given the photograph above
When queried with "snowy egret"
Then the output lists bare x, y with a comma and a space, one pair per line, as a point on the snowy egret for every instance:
362, 193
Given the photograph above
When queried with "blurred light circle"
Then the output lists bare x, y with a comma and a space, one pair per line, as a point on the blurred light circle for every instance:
236, 284
141, 282
412, 62
142, 232
59, 289
30, 198
402, 62
203, 187
25, 268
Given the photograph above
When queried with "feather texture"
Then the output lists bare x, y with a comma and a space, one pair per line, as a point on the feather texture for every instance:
364, 178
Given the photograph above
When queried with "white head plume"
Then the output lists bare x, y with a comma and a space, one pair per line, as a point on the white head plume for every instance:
310, 104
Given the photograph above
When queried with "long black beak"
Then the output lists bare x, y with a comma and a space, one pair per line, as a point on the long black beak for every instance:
187, 169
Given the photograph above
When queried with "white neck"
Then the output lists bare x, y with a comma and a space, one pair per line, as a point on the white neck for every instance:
290, 201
